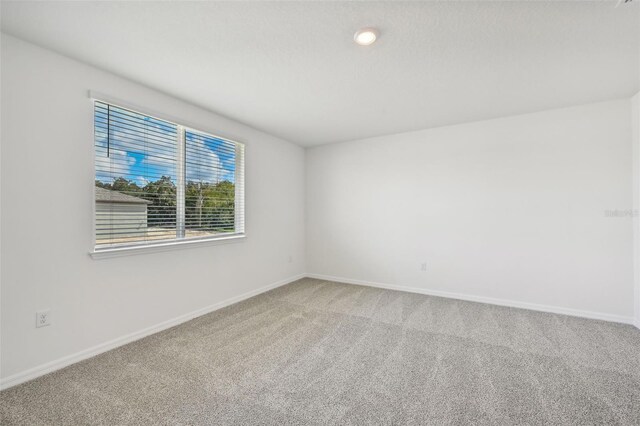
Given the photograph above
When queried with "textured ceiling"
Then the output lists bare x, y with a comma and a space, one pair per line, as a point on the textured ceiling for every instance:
292, 69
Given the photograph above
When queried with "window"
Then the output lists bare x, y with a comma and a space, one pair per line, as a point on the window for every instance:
158, 181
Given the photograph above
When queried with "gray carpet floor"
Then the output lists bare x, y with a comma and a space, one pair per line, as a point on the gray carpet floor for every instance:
317, 352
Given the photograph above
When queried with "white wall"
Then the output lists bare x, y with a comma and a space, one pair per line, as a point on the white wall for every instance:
509, 210
47, 197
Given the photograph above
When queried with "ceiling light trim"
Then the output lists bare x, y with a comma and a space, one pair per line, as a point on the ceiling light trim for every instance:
366, 36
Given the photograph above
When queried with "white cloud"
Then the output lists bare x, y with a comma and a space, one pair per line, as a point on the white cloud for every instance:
208, 167
117, 164
142, 181
203, 164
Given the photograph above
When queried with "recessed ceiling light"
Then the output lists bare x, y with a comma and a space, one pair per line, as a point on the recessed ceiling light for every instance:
366, 36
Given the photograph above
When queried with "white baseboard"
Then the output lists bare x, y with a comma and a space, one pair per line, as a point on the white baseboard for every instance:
57, 364
482, 299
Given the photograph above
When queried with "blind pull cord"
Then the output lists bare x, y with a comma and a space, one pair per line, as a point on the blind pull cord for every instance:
108, 129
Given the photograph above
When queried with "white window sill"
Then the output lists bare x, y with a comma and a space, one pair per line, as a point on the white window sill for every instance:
110, 252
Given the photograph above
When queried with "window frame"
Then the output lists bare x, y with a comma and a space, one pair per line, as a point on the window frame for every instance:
125, 249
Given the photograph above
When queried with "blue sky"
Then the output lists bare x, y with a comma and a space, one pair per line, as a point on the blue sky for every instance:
142, 149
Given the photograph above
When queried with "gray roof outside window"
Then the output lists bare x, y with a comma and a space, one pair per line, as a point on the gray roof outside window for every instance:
108, 196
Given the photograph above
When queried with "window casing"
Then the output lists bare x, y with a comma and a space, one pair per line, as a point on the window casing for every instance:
158, 182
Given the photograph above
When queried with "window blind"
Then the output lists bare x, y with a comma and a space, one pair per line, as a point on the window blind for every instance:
210, 194
156, 181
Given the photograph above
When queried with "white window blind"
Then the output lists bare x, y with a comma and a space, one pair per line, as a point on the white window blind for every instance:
157, 181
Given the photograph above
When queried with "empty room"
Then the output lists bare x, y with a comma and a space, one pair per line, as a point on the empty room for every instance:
320, 212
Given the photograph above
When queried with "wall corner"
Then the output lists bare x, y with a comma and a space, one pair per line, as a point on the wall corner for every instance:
635, 144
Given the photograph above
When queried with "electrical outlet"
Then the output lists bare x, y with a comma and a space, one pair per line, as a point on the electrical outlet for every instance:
43, 318
423, 267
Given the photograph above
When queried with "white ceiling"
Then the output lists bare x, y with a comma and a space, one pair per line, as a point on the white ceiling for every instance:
292, 69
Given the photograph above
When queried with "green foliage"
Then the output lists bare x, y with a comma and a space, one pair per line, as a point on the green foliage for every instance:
210, 206
123, 185
162, 194
126, 186
207, 206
